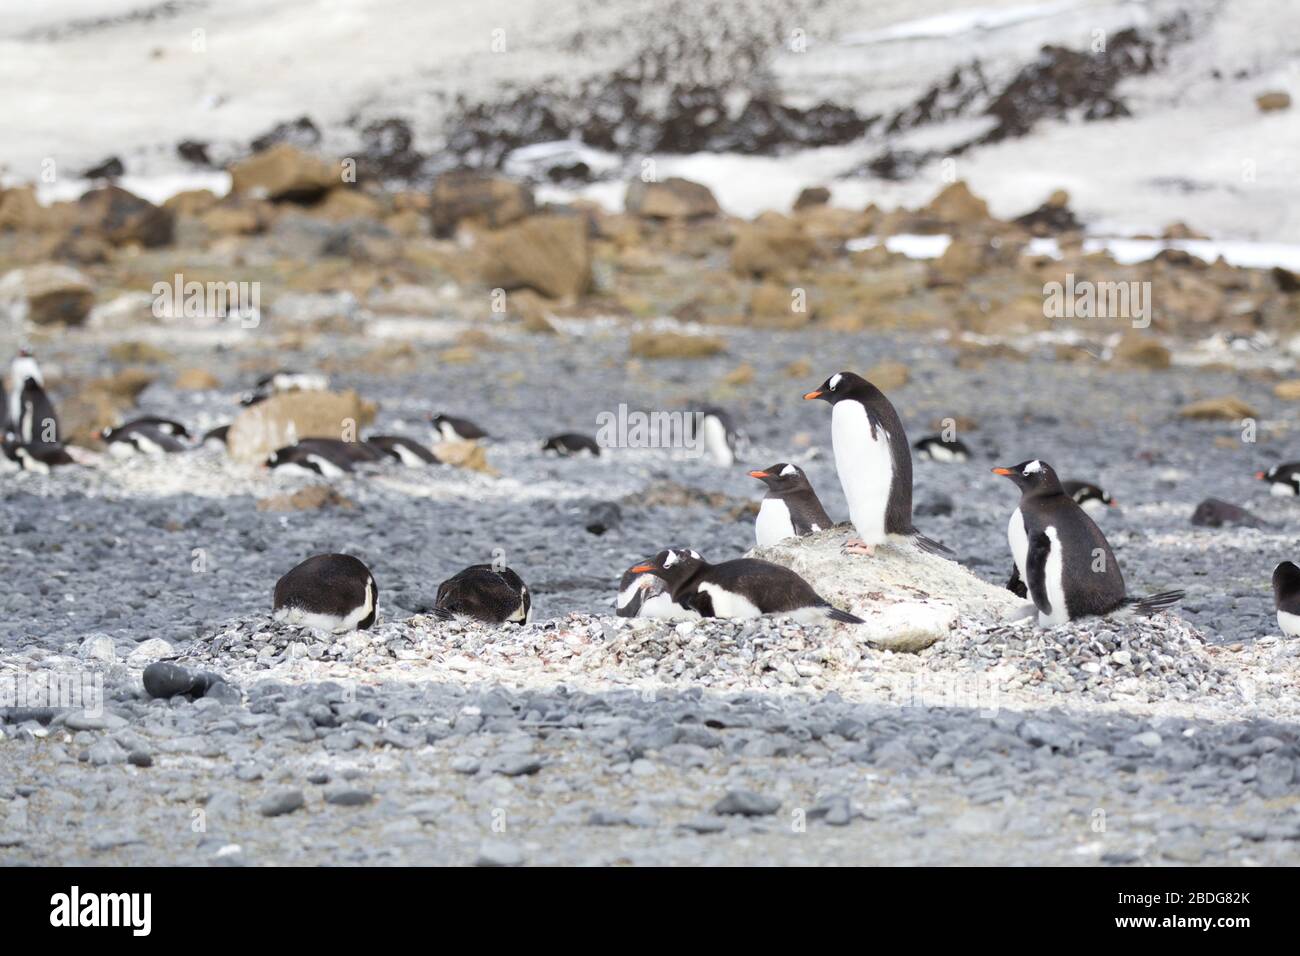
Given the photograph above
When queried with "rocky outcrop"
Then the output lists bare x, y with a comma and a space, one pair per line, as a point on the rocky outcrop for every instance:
673, 199
549, 254
479, 199
284, 419
283, 174
121, 217
770, 245
46, 294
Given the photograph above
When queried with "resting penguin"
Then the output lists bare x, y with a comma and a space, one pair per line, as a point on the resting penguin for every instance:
456, 429
141, 436
329, 592
1089, 497
284, 381
874, 462
327, 457
484, 593
400, 448
571, 443
39, 457
216, 437
1283, 480
168, 426
790, 508
646, 595
938, 448
1062, 556
1286, 594
743, 588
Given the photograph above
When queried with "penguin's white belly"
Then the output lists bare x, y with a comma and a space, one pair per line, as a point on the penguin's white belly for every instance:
663, 606
773, 523
1281, 490
327, 468
715, 441
32, 463
1289, 623
943, 453
1094, 507
407, 457
1018, 539
330, 623
122, 448
727, 604
865, 467
296, 470
1054, 583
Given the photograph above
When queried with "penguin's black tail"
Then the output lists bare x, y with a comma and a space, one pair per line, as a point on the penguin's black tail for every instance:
1157, 602
932, 546
844, 617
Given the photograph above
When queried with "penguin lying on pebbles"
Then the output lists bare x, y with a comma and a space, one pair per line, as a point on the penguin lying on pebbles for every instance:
141, 437
456, 429
1062, 556
571, 443
743, 588
326, 457
39, 457
484, 593
790, 508
1283, 480
874, 462
329, 592
1286, 594
400, 448
938, 448
644, 594
216, 437
716, 432
284, 381
1089, 497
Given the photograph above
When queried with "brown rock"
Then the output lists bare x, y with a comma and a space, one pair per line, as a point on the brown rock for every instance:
547, 253
742, 374
342, 203
663, 345
771, 245
191, 202
464, 454
121, 217
674, 198
1180, 230
20, 211
86, 411
306, 499
233, 219
196, 380
139, 353
1226, 408
532, 310
957, 205
1288, 390
969, 256
1142, 351
812, 196
773, 305
284, 419
477, 198
888, 376
46, 294
283, 174
1273, 100
126, 385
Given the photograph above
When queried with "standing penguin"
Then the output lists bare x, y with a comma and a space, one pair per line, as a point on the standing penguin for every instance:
1286, 594
485, 593
715, 430
743, 588
22, 369
328, 592
874, 462
790, 508
31, 413
1061, 555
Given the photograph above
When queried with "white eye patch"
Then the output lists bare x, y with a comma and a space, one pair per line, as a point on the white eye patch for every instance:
834, 383
1033, 468
671, 559
789, 470
695, 555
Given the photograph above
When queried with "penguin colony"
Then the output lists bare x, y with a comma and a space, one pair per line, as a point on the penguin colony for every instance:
1061, 561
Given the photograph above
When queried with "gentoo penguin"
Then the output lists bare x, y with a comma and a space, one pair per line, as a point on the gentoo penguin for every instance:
484, 593
873, 460
168, 426
329, 592
1283, 480
743, 588
790, 508
938, 448
142, 437
646, 595
325, 457
1089, 497
716, 433
1286, 593
571, 443
22, 369
39, 457
456, 429
400, 448
1062, 556
216, 437
284, 381
35, 423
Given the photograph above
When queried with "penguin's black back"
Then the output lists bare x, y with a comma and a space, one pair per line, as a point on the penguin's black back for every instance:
771, 588
36, 413
333, 584
882, 414
1286, 587
485, 594
805, 510
570, 443
302, 453
388, 444
1086, 591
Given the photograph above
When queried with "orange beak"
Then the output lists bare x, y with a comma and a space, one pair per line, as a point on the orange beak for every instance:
810, 395
643, 568
1260, 475
1004, 472
758, 474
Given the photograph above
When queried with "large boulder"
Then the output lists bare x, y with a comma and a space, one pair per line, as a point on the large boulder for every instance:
549, 254
284, 419
956, 205
283, 174
120, 217
480, 199
46, 294
770, 245
674, 198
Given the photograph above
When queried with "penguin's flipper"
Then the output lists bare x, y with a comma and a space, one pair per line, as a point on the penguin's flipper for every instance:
1040, 546
844, 617
1157, 602
1015, 585
931, 546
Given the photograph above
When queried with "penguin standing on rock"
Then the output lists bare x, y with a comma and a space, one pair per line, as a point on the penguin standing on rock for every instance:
484, 593
874, 462
1283, 480
643, 594
1062, 557
743, 588
790, 508
329, 592
1286, 593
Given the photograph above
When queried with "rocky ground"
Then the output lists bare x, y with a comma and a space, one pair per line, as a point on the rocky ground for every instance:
582, 738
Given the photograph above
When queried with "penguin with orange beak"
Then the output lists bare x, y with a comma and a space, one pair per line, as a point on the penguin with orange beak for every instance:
1283, 480
790, 508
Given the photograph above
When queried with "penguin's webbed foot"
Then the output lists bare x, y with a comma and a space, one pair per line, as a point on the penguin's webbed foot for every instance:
858, 546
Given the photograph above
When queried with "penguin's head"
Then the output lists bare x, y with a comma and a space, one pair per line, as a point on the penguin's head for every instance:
1033, 477
1267, 475
674, 565
781, 477
1286, 580
840, 386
